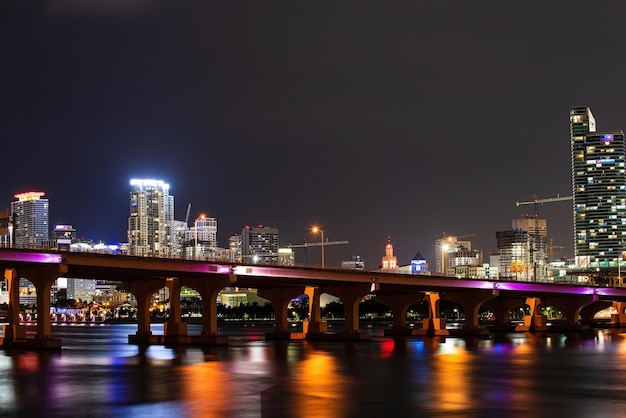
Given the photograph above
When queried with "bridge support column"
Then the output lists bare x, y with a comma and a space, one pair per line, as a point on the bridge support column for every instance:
351, 295
13, 331
42, 278
143, 291
470, 302
399, 304
314, 325
175, 329
209, 288
535, 321
280, 298
434, 324
618, 319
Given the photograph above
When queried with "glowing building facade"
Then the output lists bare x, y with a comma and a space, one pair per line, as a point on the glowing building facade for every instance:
599, 190
151, 219
31, 213
389, 261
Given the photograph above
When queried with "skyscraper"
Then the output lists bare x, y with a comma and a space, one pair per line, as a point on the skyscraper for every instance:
31, 227
599, 190
151, 218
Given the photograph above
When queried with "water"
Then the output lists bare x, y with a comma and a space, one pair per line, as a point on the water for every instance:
97, 374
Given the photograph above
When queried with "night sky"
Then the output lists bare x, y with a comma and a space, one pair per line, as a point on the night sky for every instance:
370, 119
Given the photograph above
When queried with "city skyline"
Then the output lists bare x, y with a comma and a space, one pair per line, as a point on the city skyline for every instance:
403, 120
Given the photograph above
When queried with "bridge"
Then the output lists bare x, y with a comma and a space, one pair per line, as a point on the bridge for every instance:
144, 276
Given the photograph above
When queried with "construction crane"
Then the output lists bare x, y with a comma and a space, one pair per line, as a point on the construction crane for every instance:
305, 245
187, 216
552, 247
538, 202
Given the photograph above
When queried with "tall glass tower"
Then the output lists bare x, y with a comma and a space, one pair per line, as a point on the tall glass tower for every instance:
31, 227
599, 190
151, 218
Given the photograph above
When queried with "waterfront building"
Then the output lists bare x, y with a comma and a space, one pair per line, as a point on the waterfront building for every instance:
235, 245
286, 257
356, 263
389, 261
151, 218
63, 237
476, 272
4, 227
419, 264
537, 230
31, 226
514, 255
599, 191
259, 245
201, 239
448, 254
81, 289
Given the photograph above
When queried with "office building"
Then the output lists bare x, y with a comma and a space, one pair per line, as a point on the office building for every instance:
201, 238
31, 227
445, 249
355, 263
537, 258
64, 236
599, 191
514, 255
151, 219
259, 245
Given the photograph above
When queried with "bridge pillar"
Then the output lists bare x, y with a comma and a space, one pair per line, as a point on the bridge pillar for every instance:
143, 290
314, 325
351, 295
42, 277
535, 321
399, 303
470, 302
618, 319
434, 324
209, 288
13, 331
280, 298
175, 329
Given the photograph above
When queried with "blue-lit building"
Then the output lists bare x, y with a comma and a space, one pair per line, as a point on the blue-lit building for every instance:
599, 190
418, 264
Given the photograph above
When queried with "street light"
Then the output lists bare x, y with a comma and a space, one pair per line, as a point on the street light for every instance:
315, 230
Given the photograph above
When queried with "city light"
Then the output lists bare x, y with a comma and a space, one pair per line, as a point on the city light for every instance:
315, 230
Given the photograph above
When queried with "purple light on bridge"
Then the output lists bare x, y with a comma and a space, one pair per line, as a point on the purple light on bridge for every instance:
43, 258
538, 287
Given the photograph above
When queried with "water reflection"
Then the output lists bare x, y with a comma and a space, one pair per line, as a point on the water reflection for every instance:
99, 374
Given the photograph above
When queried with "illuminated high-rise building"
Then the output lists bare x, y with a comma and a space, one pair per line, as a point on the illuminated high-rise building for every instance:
31, 211
151, 219
599, 190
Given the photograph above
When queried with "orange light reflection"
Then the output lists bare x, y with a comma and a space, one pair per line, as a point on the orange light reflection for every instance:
320, 386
